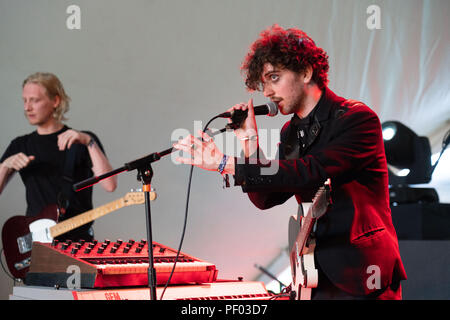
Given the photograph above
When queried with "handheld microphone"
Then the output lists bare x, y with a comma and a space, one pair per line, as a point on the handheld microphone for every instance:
237, 116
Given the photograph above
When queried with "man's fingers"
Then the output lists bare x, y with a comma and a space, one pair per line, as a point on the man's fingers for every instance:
61, 141
19, 161
183, 147
70, 141
251, 111
239, 106
204, 136
184, 160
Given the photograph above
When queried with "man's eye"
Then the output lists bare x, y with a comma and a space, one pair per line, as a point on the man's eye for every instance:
274, 77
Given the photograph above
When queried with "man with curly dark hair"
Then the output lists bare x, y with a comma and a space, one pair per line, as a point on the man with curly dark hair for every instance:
293, 49
328, 137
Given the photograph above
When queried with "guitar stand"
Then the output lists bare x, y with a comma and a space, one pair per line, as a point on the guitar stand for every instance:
145, 174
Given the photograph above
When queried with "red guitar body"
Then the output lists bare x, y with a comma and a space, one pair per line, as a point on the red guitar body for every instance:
15, 228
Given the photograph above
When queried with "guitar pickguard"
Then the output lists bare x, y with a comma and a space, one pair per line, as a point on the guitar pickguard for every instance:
40, 230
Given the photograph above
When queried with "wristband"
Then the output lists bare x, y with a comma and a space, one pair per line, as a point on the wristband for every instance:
90, 143
222, 164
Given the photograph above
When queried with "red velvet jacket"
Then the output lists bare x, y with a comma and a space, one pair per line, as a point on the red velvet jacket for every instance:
355, 238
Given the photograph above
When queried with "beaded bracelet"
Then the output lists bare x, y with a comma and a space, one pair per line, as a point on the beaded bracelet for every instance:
222, 164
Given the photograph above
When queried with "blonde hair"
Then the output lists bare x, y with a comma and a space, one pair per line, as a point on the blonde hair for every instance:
54, 88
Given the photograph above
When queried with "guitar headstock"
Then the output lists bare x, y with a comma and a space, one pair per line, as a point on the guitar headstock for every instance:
322, 200
134, 198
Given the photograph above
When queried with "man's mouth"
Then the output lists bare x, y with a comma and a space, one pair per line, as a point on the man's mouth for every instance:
30, 117
277, 101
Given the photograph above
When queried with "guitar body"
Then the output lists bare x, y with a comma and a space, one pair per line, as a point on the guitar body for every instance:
19, 232
16, 231
302, 243
304, 273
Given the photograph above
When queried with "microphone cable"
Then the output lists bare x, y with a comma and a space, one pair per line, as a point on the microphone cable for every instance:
185, 216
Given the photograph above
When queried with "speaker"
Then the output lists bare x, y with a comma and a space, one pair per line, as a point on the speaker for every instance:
422, 221
427, 266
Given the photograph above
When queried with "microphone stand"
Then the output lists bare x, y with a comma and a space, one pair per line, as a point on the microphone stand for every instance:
270, 275
145, 175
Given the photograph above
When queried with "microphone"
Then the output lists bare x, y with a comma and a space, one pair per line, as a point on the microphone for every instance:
237, 116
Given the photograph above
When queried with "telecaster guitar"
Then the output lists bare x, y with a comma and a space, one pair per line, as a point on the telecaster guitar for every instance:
19, 232
302, 244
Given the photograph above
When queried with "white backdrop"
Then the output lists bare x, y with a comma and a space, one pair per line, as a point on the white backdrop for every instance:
139, 70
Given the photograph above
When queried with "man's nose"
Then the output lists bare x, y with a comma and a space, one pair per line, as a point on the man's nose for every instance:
267, 91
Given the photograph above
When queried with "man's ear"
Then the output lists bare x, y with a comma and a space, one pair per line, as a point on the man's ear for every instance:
308, 74
56, 101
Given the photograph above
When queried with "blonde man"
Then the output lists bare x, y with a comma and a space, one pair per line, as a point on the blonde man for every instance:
54, 156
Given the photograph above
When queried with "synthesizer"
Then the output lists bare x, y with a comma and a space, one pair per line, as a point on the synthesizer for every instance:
112, 264
219, 290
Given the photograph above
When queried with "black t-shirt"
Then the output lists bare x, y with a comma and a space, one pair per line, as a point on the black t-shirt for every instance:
44, 177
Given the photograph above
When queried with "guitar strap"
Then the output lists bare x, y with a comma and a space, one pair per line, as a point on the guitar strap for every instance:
300, 213
66, 196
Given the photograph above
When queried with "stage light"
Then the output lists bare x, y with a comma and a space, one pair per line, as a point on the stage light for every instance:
403, 172
388, 133
409, 162
407, 154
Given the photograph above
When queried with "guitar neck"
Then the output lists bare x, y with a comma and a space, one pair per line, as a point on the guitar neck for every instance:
305, 230
86, 217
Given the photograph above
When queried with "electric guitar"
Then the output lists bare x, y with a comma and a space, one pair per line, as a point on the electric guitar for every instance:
19, 232
302, 244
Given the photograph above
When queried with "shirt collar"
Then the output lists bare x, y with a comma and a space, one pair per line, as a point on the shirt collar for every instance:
321, 111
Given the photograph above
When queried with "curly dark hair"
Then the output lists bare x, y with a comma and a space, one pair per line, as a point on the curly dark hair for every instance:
292, 49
